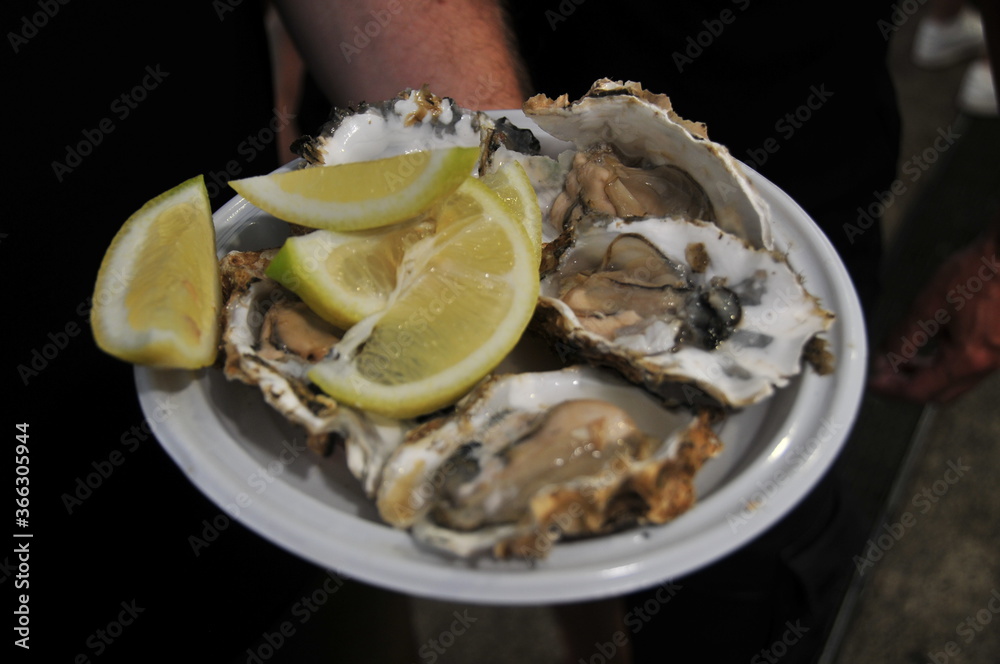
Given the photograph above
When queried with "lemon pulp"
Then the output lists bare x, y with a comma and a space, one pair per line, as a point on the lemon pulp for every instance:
157, 294
464, 297
361, 195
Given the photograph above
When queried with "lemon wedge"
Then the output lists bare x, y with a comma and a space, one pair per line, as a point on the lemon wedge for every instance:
361, 195
157, 296
511, 183
464, 297
345, 277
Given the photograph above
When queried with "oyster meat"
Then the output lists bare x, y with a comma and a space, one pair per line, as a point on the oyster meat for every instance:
663, 265
532, 458
682, 308
271, 339
637, 157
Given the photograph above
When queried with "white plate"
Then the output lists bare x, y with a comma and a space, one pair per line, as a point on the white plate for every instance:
251, 463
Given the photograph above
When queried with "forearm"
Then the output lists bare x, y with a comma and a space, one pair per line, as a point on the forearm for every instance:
990, 10
369, 50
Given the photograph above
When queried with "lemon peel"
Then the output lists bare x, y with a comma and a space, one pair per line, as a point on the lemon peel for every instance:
464, 298
157, 295
361, 195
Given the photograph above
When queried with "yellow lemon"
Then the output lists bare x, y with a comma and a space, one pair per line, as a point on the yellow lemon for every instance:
157, 295
361, 195
511, 183
345, 277
463, 298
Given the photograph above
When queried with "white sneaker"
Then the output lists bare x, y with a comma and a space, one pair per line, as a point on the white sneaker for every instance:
977, 96
942, 44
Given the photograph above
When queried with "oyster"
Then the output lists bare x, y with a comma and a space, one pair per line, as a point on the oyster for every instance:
271, 339
413, 120
531, 458
662, 263
636, 157
682, 308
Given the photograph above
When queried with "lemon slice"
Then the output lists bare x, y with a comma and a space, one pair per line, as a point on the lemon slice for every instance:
465, 296
157, 296
511, 183
361, 195
345, 277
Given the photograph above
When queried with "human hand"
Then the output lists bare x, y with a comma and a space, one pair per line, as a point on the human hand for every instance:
951, 338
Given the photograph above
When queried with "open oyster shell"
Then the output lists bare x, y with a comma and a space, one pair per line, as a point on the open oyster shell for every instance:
637, 157
532, 458
271, 340
682, 308
413, 120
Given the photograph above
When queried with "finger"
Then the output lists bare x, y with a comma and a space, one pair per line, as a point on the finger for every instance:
951, 372
888, 365
928, 314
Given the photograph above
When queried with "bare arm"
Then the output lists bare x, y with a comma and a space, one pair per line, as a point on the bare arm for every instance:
990, 10
368, 50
